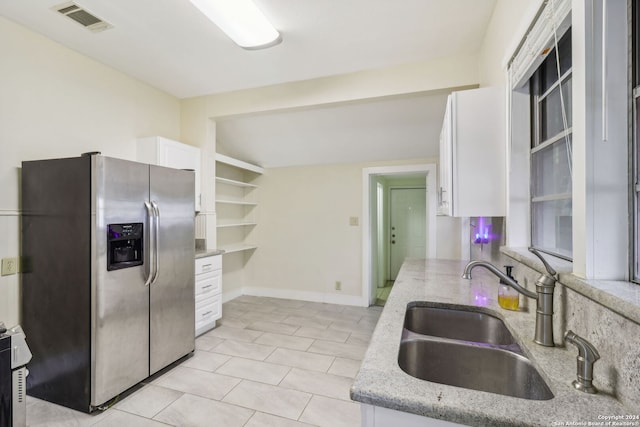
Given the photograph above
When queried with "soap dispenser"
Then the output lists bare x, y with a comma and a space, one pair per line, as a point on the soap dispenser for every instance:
508, 298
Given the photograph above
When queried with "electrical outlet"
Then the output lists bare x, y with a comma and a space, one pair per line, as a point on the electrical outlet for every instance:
353, 220
338, 285
9, 266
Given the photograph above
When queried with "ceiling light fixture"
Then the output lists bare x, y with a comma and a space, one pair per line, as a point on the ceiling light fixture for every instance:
242, 21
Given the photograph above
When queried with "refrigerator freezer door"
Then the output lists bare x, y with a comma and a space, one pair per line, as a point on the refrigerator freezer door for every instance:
120, 299
172, 307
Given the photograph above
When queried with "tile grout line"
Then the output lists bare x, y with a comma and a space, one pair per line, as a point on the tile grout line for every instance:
305, 407
169, 404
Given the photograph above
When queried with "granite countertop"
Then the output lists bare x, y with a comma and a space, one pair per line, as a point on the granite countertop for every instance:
203, 253
381, 382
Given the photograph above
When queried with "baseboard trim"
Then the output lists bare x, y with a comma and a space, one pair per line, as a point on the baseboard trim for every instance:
231, 295
354, 300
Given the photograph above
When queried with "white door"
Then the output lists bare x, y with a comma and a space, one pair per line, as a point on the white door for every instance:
408, 226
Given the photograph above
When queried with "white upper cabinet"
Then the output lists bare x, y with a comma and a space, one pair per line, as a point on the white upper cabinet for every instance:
161, 151
472, 154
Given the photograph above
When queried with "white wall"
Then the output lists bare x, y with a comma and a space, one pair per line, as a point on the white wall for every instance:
435, 75
305, 242
508, 25
344, 262
58, 103
449, 237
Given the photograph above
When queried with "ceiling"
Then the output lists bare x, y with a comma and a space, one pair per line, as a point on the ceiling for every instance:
170, 45
391, 128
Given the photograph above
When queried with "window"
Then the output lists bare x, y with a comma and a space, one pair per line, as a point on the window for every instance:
551, 184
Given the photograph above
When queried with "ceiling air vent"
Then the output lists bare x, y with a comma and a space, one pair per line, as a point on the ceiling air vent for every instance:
73, 11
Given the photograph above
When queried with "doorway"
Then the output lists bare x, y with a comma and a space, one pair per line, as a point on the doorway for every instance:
377, 233
401, 226
408, 222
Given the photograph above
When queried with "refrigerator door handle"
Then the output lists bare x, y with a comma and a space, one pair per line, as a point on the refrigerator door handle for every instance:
156, 238
150, 219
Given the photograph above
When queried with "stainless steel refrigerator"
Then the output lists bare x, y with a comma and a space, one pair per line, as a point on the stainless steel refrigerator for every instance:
108, 275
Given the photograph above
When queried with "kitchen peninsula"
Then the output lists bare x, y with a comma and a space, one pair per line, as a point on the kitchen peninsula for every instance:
382, 384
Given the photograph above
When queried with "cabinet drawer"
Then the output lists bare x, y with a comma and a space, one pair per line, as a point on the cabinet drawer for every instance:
209, 284
208, 310
204, 298
211, 263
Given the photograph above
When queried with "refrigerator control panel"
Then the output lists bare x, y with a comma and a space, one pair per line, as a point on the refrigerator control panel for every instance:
124, 245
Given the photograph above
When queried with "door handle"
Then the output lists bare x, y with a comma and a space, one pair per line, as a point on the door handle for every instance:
150, 220
156, 239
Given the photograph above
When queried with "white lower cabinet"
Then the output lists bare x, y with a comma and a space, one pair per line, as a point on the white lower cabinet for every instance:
208, 292
376, 416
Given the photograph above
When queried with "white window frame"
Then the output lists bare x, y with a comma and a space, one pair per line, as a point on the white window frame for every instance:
600, 133
538, 145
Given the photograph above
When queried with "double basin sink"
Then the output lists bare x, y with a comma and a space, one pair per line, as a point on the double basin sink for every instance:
467, 347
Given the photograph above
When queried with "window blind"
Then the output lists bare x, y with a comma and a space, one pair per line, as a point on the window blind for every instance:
555, 16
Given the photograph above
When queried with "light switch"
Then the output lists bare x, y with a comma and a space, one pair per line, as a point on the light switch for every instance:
353, 220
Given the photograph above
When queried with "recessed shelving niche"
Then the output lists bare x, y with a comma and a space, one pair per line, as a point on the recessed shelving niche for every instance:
236, 201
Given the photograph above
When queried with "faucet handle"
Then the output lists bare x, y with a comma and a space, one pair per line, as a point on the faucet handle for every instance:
509, 270
550, 269
587, 356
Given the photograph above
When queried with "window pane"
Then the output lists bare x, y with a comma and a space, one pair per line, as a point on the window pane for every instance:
548, 72
551, 166
552, 170
551, 226
549, 68
551, 111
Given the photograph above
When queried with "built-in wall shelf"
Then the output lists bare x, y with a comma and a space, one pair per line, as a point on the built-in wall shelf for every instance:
221, 158
237, 248
235, 183
237, 224
236, 201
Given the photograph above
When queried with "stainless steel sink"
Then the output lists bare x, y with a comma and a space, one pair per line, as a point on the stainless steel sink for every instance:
466, 346
457, 324
474, 367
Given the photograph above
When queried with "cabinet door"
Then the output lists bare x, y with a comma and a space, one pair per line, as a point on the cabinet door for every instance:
472, 154
165, 152
181, 156
446, 163
479, 166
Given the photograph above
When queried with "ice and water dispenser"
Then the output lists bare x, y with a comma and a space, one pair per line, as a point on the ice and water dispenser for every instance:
124, 245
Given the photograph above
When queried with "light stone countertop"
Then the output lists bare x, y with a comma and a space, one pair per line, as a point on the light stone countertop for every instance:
381, 382
203, 253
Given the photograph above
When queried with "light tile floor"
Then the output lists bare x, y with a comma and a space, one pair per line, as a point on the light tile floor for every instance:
382, 294
270, 363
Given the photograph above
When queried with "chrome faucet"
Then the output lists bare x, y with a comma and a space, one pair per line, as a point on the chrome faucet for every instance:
587, 356
543, 295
